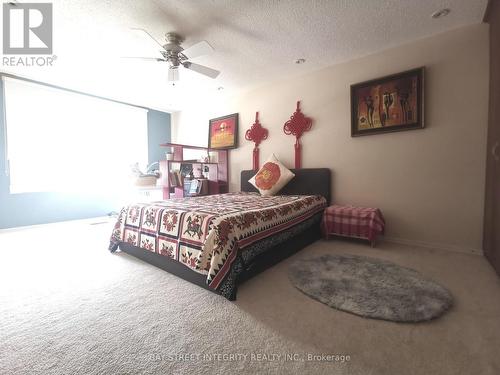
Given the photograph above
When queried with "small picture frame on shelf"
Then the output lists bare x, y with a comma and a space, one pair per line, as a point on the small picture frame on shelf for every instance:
223, 132
186, 169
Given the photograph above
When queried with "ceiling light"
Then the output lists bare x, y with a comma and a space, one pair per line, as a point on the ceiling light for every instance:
441, 13
300, 61
220, 88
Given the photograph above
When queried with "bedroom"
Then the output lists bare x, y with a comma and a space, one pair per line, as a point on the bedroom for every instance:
70, 306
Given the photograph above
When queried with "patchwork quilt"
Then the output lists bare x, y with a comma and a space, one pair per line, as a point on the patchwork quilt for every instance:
205, 233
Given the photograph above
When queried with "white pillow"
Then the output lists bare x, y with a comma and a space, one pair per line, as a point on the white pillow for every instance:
271, 177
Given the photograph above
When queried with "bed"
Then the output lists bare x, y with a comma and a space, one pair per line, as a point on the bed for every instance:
219, 241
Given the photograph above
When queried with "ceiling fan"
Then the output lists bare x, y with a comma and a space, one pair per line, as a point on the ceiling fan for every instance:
176, 56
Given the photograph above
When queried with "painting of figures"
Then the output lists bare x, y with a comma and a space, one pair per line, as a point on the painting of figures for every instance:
388, 104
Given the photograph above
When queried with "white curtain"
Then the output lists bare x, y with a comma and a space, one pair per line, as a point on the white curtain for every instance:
63, 141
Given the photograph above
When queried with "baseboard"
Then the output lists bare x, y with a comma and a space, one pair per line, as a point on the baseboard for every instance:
89, 221
432, 245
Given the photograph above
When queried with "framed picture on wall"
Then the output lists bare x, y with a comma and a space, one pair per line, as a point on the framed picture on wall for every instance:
388, 104
223, 132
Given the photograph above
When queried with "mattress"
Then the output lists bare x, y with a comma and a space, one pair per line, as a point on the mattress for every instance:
206, 233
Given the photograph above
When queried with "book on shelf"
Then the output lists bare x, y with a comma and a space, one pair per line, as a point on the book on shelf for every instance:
186, 187
172, 178
175, 179
178, 177
197, 186
203, 188
193, 188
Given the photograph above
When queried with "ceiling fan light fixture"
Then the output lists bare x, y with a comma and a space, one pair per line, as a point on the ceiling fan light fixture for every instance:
440, 13
173, 74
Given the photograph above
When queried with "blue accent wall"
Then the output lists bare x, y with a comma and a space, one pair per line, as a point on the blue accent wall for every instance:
158, 132
39, 208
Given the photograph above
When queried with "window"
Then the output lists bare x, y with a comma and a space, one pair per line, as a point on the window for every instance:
62, 141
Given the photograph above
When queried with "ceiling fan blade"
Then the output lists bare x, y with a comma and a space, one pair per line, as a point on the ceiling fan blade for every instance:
143, 58
209, 72
198, 49
173, 74
140, 31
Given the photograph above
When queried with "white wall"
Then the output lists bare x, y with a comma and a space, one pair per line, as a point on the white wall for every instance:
429, 183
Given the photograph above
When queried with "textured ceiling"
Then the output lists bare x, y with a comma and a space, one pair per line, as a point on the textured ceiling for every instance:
255, 41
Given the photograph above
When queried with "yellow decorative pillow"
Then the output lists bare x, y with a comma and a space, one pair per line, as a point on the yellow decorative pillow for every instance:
271, 177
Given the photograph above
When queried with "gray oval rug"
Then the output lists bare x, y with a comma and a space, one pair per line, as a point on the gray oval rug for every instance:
370, 287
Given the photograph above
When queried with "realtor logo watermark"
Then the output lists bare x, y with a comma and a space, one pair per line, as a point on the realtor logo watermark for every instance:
27, 30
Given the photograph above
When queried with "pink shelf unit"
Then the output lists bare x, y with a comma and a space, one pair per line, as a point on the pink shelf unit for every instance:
218, 170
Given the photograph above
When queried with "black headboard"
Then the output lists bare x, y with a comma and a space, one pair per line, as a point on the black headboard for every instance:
307, 181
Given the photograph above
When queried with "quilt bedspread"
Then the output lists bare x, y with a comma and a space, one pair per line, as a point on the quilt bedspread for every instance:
205, 233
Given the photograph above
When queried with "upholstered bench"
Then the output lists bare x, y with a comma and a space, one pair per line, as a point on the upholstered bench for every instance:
349, 221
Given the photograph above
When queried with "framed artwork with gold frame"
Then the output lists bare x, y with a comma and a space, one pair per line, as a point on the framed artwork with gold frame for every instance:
223, 132
388, 104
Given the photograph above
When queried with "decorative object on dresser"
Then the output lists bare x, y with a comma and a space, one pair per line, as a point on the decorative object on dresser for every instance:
223, 132
190, 163
256, 134
147, 178
388, 104
272, 177
296, 126
356, 222
370, 287
146, 188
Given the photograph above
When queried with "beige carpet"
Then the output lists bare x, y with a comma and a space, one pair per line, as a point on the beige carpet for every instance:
67, 306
